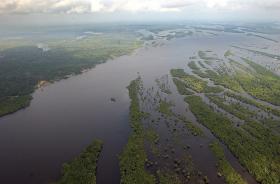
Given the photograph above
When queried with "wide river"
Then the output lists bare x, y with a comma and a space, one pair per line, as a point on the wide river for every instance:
64, 117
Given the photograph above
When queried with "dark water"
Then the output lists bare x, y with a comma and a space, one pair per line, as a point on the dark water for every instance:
66, 116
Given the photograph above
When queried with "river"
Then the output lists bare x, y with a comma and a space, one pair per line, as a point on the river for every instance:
65, 116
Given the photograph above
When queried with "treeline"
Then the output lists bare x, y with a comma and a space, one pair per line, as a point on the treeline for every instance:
133, 157
23, 67
82, 169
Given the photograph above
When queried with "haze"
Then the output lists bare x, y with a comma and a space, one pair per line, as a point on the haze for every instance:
73, 11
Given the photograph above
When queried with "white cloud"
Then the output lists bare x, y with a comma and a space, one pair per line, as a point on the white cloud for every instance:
88, 6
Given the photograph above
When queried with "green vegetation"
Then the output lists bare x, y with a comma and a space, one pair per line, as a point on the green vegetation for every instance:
228, 53
274, 125
163, 85
235, 109
12, 104
165, 108
203, 55
179, 34
256, 147
253, 143
24, 65
253, 103
274, 56
133, 157
194, 83
168, 177
261, 84
231, 176
201, 64
182, 87
263, 37
83, 168
222, 79
195, 130
153, 138
179, 73
193, 65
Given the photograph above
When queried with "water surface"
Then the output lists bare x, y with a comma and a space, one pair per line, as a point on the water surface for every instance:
66, 116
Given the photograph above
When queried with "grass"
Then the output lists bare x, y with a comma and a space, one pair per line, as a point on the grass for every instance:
133, 156
83, 168
224, 167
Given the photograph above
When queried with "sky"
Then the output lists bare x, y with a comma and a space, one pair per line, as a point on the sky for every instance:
48, 11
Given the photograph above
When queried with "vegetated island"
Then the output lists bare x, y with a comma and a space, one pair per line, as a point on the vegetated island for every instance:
254, 138
82, 169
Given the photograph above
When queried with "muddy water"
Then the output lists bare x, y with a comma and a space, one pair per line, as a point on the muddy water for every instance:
66, 116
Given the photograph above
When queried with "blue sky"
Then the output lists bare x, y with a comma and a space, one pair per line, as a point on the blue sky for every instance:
119, 10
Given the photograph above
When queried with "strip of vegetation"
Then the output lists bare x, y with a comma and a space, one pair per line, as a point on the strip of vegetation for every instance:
165, 108
182, 87
203, 55
168, 177
274, 125
83, 168
12, 104
261, 84
153, 138
228, 53
260, 52
263, 37
195, 130
222, 79
253, 103
163, 86
202, 65
231, 176
193, 65
194, 83
234, 109
259, 155
133, 157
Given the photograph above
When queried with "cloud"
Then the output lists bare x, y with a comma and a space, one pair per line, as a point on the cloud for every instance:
44, 6
90, 6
